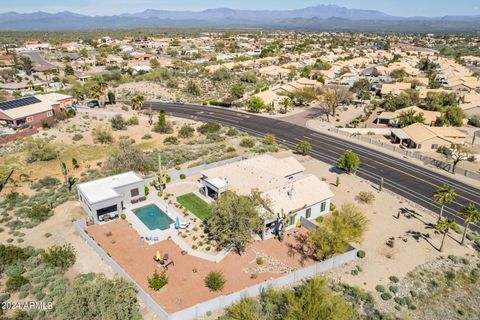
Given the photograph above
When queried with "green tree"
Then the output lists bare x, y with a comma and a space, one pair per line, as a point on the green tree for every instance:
444, 226
157, 281
163, 126
349, 162
245, 309
304, 95
444, 195
111, 97
83, 53
237, 90
234, 220
471, 215
26, 64
303, 147
215, 281
68, 70
126, 157
286, 103
39, 149
192, 88
362, 89
453, 117
335, 97
409, 117
256, 104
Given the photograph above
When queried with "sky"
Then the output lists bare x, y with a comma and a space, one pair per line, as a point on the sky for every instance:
108, 7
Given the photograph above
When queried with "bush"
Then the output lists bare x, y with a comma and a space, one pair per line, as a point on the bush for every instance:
394, 279
183, 176
380, 288
171, 140
260, 261
60, 256
232, 132
366, 197
39, 149
215, 281
15, 282
38, 213
454, 259
118, 123
247, 143
209, 127
77, 137
147, 136
230, 149
269, 139
361, 254
386, 296
186, 132
133, 121
102, 135
393, 289
157, 281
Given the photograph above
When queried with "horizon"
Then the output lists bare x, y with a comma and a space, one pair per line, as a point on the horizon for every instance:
428, 8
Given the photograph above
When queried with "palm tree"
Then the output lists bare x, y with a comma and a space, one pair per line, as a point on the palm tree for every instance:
444, 227
286, 103
444, 195
471, 214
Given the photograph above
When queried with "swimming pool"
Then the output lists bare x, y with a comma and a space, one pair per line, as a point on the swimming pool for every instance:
153, 217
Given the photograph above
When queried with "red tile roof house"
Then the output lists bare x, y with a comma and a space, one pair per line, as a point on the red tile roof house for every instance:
34, 110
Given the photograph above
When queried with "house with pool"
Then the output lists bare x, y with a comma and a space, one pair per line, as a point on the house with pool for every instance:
293, 195
105, 198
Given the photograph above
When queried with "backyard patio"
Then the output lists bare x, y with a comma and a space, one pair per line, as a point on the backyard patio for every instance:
186, 286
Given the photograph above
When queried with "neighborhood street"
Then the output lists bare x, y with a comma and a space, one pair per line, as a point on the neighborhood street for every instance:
408, 180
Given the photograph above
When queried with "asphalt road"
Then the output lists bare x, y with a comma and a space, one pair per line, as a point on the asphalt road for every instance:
408, 180
37, 58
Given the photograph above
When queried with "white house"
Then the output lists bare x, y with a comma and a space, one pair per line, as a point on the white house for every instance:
292, 194
105, 198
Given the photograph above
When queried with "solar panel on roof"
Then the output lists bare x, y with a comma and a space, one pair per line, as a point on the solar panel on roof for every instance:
22, 102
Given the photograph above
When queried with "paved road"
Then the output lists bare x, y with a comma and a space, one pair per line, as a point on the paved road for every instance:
37, 58
401, 177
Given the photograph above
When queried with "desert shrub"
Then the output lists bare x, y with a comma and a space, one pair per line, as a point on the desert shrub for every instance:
39, 213
303, 148
380, 288
230, 149
232, 132
260, 261
386, 296
366, 197
133, 121
102, 135
147, 136
361, 254
15, 282
60, 256
186, 131
47, 182
269, 139
393, 289
23, 294
77, 137
209, 127
215, 281
118, 122
171, 140
157, 281
453, 258
183, 176
394, 279
247, 143
39, 149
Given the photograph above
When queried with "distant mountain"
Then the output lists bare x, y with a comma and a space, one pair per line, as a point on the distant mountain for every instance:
316, 18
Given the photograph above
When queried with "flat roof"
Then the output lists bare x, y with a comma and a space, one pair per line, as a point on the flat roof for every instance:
104, 189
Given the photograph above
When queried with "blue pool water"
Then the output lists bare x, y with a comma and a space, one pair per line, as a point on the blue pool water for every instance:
153, 217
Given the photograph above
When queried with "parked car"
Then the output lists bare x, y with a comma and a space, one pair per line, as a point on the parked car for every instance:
166, 101
74, 108
93, 104
179, 102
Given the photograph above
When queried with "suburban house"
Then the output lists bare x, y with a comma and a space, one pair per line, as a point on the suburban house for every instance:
393, 118
395, 88
293, 195
471, 103
34, 110
105, 198
422, 137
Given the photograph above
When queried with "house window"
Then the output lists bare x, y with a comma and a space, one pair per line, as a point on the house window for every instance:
308, 214
323, 206
435, 146
292, 220
49, 113
134, 192
29, 119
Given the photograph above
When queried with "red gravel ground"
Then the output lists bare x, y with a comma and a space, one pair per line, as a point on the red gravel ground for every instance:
185, 287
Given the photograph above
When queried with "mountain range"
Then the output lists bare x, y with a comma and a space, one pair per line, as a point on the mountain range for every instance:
316, 18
